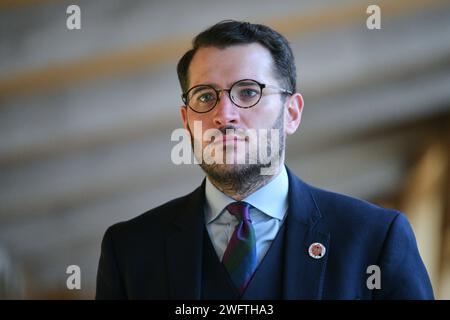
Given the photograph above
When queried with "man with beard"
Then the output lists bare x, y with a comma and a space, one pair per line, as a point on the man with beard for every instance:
253, 230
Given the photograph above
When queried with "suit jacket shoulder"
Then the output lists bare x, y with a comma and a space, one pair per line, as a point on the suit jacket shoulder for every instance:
131, 264
339, 210
365, 235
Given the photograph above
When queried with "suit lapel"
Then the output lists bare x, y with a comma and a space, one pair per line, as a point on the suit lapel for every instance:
184, 246
303, 275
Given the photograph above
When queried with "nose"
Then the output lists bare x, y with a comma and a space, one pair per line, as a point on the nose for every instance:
225, 112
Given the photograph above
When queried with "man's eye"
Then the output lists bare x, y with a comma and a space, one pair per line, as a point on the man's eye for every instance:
248, 93
206, 97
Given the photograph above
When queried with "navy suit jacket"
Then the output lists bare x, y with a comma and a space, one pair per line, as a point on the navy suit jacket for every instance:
158, 255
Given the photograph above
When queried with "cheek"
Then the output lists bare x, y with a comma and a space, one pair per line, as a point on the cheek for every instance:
198, 126
261, 120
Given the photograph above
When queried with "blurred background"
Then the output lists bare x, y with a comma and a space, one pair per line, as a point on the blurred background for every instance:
86, 117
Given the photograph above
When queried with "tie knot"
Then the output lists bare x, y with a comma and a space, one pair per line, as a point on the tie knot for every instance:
240, 210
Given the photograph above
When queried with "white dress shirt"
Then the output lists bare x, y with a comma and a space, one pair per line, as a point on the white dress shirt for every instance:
269, 209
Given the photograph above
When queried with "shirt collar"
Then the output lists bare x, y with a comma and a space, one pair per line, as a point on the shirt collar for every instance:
272, 199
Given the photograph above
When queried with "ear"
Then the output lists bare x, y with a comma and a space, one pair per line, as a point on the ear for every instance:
184, 118
293, 115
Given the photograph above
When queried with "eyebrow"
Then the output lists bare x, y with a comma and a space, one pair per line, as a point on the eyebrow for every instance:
244, 83
214, 85
198, 88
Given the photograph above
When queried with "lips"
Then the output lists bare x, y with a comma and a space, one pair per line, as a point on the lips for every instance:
227, 139
231, 138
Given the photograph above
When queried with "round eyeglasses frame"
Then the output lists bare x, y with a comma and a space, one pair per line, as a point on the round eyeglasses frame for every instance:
218, 94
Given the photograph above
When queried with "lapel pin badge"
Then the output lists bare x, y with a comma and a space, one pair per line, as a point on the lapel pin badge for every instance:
316, 250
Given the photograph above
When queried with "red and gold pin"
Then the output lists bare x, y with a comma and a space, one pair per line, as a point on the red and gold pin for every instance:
316, 250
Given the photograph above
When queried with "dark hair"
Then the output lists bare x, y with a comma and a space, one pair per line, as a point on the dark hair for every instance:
230, 32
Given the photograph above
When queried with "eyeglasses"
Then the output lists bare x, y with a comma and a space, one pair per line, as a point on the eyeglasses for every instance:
244, 93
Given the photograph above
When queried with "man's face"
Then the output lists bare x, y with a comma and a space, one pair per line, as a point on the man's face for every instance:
221, 68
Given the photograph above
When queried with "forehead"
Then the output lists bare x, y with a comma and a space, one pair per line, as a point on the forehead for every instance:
224, 66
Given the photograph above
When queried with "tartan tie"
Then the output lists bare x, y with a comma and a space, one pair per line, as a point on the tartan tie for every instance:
239, 257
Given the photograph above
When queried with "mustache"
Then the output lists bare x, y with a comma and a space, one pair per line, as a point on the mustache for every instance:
223, 130
239, 133
236, 131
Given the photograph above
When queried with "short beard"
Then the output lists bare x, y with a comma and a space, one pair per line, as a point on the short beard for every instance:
240, 180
